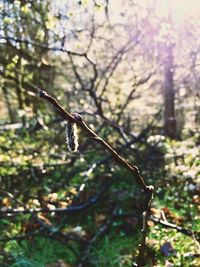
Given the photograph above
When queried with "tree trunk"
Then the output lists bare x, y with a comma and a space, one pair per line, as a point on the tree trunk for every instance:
169, 94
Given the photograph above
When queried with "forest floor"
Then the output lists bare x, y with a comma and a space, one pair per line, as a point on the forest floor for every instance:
37, 175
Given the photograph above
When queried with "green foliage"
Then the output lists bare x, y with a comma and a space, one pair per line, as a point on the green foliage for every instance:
113, 79
115, 250
174, 194
180, 243
39, 252
183, 159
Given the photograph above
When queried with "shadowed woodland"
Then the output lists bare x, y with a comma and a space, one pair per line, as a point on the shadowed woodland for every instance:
99, 133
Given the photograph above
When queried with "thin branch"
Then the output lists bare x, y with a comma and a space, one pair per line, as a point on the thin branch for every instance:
135, 85
142, 246
40, 45
146, 205
165, 224
20, 237
180, 229
70, 209
75, 118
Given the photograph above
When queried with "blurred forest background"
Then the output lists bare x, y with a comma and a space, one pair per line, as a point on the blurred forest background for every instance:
131, 69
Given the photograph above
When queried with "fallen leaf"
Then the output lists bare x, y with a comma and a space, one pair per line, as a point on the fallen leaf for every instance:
99, 218
171, 215
6, 201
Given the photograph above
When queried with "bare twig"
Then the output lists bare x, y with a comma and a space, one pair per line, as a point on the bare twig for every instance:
146, 204
40, 45
70, 209
178, 228
75, 118
147, 190
142, 246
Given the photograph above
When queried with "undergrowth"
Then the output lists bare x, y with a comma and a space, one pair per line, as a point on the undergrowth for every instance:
172, 167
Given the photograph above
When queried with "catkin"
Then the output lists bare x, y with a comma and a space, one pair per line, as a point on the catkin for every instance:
72, 137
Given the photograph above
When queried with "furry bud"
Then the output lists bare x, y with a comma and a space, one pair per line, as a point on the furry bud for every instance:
72, 137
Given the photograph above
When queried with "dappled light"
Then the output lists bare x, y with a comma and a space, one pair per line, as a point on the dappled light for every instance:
99, 133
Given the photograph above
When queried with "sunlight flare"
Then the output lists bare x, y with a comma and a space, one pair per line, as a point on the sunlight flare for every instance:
179, 10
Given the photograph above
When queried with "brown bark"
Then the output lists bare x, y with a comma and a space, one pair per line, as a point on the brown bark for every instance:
169, 94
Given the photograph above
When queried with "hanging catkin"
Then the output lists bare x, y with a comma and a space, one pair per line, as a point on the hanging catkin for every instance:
72, 137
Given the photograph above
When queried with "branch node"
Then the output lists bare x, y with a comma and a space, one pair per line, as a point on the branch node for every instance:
149, 189
77, 117
42, 93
